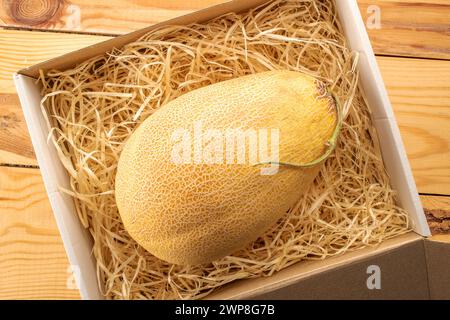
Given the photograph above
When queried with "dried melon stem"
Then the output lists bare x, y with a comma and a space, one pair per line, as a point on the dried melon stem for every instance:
330, 145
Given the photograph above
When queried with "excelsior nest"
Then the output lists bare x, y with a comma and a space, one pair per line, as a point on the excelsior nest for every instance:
93, 108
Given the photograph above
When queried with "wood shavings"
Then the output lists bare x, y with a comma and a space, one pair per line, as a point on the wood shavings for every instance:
93, 108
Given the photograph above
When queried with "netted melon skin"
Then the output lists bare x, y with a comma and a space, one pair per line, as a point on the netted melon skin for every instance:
196, 213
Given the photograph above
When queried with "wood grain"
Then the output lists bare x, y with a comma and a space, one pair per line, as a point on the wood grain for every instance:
414, 28
15, 143
33, 262
437, 210
420, 94
418, 28
20, 49
101, 16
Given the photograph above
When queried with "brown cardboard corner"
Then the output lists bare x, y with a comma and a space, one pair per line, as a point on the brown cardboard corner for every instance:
345, 276
438, 268
71, 59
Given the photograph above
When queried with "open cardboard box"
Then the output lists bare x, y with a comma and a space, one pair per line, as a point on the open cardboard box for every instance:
409, 266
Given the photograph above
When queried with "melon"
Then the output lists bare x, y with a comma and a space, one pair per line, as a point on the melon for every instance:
215, 168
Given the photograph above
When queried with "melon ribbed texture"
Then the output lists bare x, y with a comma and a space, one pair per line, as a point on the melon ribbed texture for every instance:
195, 213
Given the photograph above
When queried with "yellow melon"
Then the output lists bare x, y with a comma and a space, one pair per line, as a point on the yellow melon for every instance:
189, 187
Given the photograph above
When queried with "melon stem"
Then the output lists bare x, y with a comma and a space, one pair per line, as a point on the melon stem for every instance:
330, 144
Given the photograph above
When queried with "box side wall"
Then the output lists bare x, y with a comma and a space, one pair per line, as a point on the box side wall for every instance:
394, 155
77, 240
438, 263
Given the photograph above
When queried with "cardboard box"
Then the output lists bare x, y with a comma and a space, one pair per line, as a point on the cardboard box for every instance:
340, 277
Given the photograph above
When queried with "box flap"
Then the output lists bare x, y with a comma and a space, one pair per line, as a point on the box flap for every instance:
438, 265
249, 288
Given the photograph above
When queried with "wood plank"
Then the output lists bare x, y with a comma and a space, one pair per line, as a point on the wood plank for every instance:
101, 16
402, 30
414, 28
31, 252
420, 94
33, 263
437, 211
419, 90
20, 49
441, 238
15, 143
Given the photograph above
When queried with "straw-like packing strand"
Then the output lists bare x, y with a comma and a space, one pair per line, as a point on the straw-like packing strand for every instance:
93, 108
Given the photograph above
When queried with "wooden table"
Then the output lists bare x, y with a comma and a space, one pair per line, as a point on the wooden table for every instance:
413, 52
